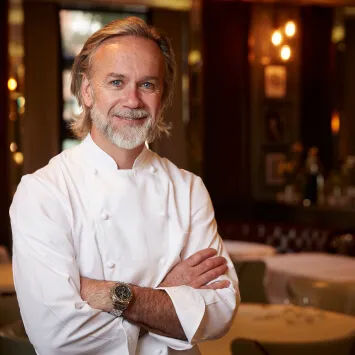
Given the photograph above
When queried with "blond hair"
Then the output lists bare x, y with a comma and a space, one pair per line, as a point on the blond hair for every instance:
130, 26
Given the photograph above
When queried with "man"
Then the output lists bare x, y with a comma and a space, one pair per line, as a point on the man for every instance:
116, 249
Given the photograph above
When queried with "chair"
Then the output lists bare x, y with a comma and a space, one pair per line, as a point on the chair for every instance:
9, 309
343, 243
4, 255
331, 296
14, 340
251, 280
344, 346
247, 347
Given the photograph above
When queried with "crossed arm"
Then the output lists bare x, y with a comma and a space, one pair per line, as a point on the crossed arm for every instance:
153, 309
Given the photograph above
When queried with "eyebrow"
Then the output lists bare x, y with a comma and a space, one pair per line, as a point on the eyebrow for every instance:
115, 75
122, 76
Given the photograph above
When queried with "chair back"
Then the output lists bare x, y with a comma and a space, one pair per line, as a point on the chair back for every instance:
9, 309
251, 280
331, 296
344, 346
14, 340
241, 346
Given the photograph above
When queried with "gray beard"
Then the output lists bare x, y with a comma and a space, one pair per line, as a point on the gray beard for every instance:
126, 137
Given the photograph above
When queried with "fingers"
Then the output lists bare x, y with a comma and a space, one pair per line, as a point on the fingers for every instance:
200, 256
217, 285
209, 264
209, 276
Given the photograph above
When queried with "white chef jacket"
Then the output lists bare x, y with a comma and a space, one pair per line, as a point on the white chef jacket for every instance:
81, 215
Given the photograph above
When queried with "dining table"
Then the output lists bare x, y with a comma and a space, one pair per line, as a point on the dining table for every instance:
282, 323
6, 279
241, 250
316, 266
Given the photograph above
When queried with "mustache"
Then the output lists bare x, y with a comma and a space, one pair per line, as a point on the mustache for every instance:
132, 114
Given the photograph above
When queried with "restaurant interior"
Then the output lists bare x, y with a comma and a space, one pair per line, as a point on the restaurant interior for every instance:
264, 112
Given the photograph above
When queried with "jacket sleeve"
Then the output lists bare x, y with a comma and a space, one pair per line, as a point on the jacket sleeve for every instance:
47, 279
204, 314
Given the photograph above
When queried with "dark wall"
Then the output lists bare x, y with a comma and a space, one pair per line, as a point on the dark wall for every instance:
4, 149
316, 87
42, 85
225, 100
348, 122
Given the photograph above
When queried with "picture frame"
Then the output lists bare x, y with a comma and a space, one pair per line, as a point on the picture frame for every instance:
273, 173
275, 81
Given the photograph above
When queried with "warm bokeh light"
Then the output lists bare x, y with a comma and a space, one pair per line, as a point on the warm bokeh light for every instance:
21, 101
338, 33
12, 84
265, 60
276, 38
285, 52
335, 122
13, 147
290, 28
18, 158
194, 57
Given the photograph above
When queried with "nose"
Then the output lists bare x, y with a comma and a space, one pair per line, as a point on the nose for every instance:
132, 98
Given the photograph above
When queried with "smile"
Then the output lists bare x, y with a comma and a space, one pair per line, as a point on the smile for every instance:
130, 118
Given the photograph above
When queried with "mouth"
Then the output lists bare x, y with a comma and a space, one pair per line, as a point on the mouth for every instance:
125, 118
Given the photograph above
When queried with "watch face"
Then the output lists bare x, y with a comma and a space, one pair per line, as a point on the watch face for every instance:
123, 293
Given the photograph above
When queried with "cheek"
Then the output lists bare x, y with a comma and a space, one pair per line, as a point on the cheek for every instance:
154, 104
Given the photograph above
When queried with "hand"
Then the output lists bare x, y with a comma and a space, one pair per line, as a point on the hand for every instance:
96, 293
198, 270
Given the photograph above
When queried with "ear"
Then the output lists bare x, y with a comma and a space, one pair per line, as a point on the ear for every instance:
86, 92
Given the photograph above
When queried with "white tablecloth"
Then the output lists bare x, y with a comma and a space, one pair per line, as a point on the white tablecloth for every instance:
6, 279
239, 250
283, 324
317, 266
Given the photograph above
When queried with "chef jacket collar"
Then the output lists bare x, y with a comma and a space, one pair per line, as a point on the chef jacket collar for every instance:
100, 159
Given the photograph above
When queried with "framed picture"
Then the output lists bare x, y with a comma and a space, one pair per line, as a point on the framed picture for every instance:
275, 81
273, 172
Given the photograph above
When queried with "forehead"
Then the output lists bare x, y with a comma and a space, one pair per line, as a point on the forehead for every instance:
128, 55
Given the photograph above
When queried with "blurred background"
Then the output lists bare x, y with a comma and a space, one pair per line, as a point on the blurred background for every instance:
264, 112
264, 106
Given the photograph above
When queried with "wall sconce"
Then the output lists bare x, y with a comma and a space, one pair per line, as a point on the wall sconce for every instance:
290, 28
12, 84
335, 123
276, 37
285, 52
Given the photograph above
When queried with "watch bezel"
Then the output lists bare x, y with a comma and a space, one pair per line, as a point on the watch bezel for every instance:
120, 300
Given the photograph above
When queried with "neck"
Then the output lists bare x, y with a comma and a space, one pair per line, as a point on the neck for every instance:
124, 158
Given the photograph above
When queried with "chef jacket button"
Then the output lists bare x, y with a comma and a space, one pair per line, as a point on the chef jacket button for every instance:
162, 261
110, 264
95, 171
153, 169
79, 305
105, 216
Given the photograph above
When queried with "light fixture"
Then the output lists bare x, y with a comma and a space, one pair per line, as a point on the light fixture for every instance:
18, 158
290, 28
194, 57
285, 52
276, 37
13, 147
12, 84
335, 123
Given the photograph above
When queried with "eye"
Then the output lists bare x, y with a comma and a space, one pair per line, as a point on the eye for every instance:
116, 82
148, 85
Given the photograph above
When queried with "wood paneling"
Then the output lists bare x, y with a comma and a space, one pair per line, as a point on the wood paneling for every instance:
225, 99
316, 86
4, 166
42, 85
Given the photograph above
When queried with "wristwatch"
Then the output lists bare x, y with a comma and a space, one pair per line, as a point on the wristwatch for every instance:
121, 295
